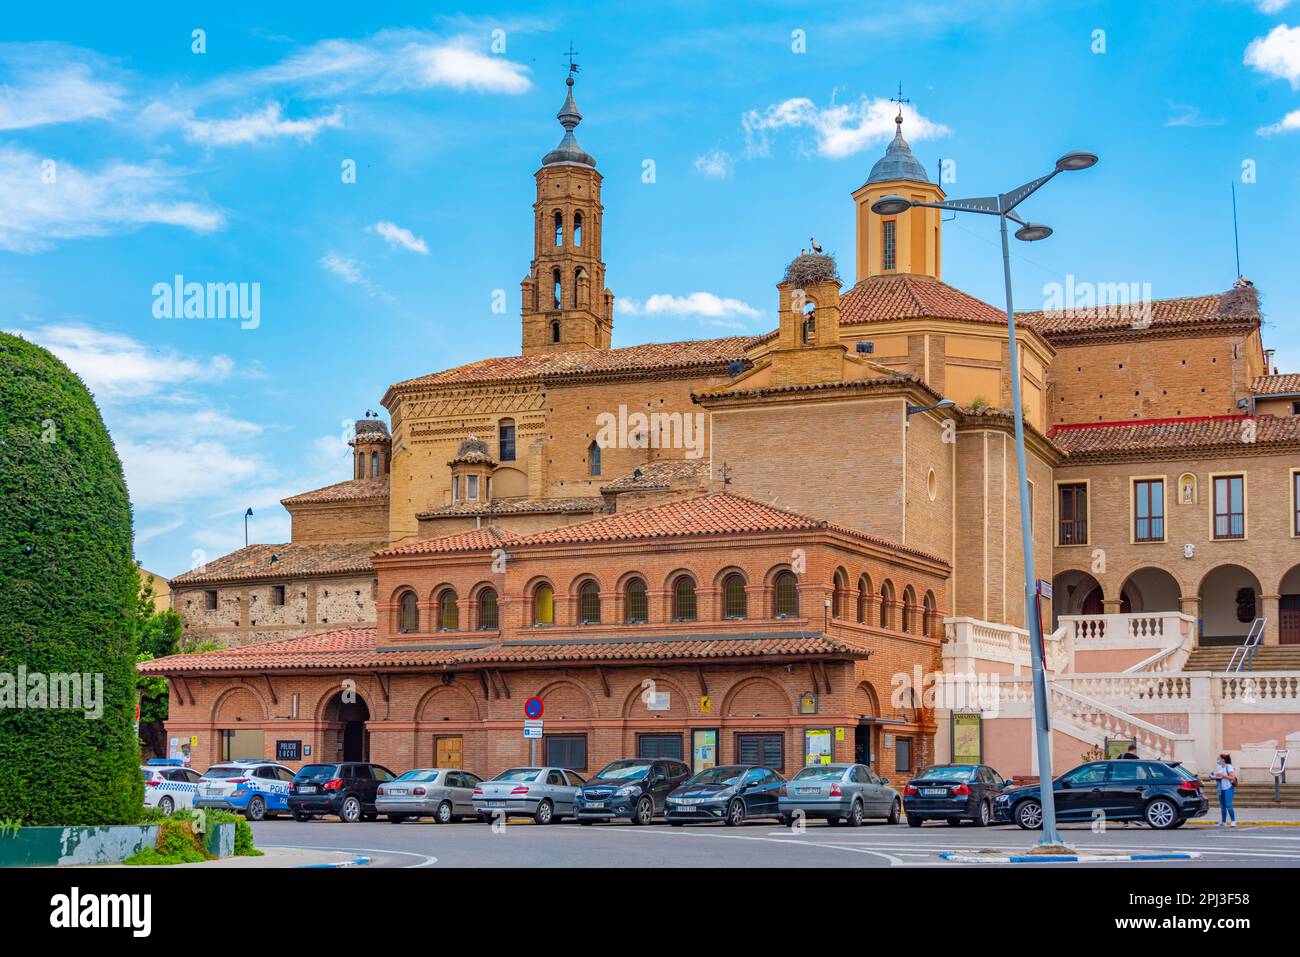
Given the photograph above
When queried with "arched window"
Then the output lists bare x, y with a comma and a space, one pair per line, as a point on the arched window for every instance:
810, 323
734, 604
593, 458
786, 597
909, 608
864, 589
544, 605
577, 274
635, 611
886, 596
577, 229
557, 295
410, 613
839, 594
374, 465
589, 603
448, 611
684, 599
559, 228
931, 619
488, 616
555, 332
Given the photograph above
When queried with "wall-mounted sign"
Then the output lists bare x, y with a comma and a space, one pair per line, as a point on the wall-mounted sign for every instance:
817, 746
288, 750
807, 703
659, 701
706, 704
967, 738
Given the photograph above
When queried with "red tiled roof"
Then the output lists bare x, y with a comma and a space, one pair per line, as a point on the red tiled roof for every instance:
650, 357
355, 648
1151, 436
905, 296
660, 475
1274, 384
474, 540
518, 506
1231, 308
293, 560
354, 490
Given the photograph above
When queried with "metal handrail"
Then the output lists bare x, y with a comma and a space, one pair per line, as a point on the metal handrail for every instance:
1244, 656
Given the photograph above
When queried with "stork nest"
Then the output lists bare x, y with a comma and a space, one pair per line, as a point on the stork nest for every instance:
1239, 302
808, 269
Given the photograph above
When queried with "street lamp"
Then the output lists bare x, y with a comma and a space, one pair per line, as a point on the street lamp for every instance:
1003, 206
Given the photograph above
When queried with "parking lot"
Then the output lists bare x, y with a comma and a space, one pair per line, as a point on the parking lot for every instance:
758, 844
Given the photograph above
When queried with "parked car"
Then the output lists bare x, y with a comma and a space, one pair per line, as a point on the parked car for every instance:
1162, 795
545, 794
952, 793
731, 793
347, 790
634, 788
256, 788
445, 794
168, 788
839, 792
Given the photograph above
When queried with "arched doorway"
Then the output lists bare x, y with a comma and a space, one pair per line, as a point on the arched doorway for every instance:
346, 737
1152, 589
1230, 601
1289, 608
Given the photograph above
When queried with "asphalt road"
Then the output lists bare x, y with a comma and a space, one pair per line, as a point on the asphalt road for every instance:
521, 843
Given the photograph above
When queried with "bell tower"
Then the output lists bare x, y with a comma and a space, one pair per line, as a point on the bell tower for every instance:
565, 305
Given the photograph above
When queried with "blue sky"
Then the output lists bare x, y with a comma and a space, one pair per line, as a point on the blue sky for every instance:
225, 166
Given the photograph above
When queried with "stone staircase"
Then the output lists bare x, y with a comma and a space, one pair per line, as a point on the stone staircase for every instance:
1267, 658
1256, 796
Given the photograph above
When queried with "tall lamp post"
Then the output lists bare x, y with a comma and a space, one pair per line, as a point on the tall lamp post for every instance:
1003, 206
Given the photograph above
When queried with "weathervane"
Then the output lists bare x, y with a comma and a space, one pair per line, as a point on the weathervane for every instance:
900, 100
571, 53
725, 472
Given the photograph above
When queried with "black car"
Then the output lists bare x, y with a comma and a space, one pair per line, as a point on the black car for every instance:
1162, 795
634, 788
952, 793
346, 790
731, 793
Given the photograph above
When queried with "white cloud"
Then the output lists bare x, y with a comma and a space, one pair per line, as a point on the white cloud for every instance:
715, 163
266, 124
44, 83
711, 309
166, 471
839, 130
1288, 124
350, 271
397, 236
1190, 115
1277, 54
118, 368
1271, 6
34, 211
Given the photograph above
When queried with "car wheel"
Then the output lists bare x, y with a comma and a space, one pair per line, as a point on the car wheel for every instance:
545, 813
985, 817
302, 817
396, 818
895, 811
855, 815
1029, 815
787, 820
256, 809
350, 811
370, 817
954, 822
1180, 822
443, 814
914, 821
1161, 814
166, 805
833, 821
645, 812
735, 813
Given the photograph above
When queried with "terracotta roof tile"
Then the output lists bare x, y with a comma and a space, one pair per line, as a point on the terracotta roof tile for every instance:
661, 475
1288, 382
1231, 308
474, 540
637, 649
293, 560
650, 357
354, 490
906, 296
518, 506
1146, 437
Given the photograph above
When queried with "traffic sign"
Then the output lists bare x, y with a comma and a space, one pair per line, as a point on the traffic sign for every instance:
533, 708
533, 729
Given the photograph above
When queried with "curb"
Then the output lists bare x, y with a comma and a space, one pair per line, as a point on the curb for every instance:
355, 862
1241, 824
1064, 858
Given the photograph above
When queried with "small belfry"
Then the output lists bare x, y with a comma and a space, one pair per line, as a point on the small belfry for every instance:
565, 305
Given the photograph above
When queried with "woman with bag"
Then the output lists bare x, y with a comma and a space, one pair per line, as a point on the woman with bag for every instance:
1226, 775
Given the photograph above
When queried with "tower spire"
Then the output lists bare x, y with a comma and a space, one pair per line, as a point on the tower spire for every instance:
570, 116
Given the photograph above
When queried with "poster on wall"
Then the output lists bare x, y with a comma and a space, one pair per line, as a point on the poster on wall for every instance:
817, 746
704, 749
967, 738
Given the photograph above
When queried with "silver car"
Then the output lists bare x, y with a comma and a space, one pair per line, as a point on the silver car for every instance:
839, 792
544, 794
445, 794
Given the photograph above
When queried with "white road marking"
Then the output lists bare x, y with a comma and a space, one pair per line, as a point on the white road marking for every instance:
426, 860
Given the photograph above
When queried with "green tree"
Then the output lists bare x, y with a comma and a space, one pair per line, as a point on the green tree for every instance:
157, 635
67, 583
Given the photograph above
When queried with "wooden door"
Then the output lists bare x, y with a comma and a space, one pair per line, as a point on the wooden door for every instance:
447, 752
1289, 620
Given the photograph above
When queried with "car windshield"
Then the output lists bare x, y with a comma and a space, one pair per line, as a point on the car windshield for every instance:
316, 772
625, 771
223, 772
822, 773
421, 775
518, 774
956, 772
723, 775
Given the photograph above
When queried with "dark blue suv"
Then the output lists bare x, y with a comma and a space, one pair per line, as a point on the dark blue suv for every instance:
1162, 795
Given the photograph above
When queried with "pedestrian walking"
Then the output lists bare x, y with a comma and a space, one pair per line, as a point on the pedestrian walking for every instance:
1226, 776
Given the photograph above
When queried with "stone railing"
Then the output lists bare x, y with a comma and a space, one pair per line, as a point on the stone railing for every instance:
1273, 691
1153, 629
967, 641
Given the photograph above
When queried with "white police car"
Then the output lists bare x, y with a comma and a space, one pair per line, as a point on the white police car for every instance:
255, 788
169, 786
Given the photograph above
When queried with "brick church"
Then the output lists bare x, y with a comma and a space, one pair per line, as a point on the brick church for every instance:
745, 549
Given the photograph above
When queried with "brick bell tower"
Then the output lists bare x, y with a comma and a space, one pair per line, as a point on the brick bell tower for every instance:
565, 305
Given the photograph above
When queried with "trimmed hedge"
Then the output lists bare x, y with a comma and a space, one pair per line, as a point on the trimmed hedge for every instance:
66, 586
